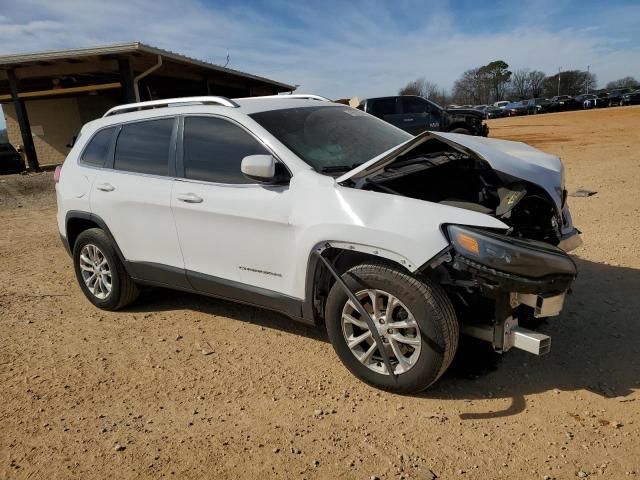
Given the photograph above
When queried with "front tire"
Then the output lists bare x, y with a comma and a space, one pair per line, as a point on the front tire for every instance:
415, 318
100, 273
463, 131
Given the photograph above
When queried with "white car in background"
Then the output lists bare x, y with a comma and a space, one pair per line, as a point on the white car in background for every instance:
396, 244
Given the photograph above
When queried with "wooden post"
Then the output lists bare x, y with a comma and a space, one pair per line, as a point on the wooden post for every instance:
126, 78
23, 122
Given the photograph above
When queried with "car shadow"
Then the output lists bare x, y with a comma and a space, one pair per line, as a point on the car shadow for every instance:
160, 299
595, 343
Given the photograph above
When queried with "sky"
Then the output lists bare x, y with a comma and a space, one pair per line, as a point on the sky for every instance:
344, 49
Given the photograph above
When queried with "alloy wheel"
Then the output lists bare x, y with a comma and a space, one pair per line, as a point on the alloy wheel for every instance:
396, 325
96, 271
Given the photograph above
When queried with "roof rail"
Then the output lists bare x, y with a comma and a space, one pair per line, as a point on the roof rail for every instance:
303, 96
306, 96
171, 102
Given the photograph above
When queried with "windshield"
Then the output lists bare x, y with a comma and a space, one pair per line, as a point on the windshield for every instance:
331, 138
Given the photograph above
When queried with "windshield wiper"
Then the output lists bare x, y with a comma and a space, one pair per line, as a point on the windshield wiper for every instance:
339, 168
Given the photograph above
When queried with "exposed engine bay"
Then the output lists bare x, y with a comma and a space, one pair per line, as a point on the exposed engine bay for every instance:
436, 172
497, 280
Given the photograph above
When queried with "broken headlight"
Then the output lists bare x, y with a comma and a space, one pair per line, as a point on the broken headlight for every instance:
527, 258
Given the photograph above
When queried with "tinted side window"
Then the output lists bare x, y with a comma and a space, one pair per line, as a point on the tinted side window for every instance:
383, 106
213, 149
414, 105
143, 147
96, 151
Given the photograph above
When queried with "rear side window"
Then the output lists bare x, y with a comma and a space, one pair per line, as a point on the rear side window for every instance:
97, 150
414, 105
383, 106
143, 147
213, 150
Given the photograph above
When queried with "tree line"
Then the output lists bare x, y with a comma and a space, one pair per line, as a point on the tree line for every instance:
494, 82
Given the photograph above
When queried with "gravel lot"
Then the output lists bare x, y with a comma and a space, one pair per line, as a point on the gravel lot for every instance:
182, 386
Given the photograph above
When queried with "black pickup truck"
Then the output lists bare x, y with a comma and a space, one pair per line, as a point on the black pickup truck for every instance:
415, 114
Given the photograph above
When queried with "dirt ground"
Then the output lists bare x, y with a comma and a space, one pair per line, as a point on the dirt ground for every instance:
90, 394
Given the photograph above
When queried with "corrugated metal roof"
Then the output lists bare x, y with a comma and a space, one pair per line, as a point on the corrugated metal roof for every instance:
124, 48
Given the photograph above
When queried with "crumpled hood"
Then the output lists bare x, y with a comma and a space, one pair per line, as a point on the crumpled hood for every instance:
513, 158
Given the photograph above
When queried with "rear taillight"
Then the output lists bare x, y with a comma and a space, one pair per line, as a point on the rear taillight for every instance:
56, 173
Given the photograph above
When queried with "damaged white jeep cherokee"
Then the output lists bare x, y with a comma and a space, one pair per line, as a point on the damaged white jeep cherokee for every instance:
397, 244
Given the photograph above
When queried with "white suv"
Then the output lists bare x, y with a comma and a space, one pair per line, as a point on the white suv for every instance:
397, 244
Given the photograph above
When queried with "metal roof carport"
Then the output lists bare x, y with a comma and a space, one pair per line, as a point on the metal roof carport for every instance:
92, 80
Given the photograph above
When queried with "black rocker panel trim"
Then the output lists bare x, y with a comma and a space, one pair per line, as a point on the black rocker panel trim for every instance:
159, 274
247, 294
155, 274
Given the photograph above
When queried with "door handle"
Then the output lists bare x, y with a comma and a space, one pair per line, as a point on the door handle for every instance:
189, 198
408, 119
105, 187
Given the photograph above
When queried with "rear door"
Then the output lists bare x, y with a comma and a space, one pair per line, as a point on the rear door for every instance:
233, 231
132, 196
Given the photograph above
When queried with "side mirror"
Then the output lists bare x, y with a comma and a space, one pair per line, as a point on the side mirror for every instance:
259, 167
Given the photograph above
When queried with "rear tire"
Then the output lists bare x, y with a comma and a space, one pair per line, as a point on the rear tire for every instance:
436, 340
100, 273
463, 131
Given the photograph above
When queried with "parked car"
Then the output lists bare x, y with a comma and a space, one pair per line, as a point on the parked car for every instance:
10, 159
496, 112
490, 111
537, 105
395, 244
415, 115
561, 103
601, 100
631, 98
586, 100
615, 97
514, 109
501, 103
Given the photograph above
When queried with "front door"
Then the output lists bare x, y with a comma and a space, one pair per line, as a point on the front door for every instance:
234, 233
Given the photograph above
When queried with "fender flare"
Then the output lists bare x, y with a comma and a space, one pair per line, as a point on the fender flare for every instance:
77, 214
313, 263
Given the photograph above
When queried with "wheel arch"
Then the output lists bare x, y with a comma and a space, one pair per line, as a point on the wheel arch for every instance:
464, 125
343, 255
77, 222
